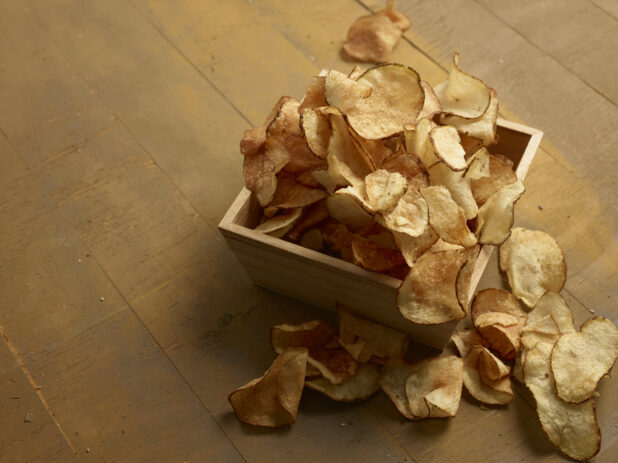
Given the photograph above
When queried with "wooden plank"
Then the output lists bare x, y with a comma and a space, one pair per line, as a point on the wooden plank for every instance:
571, 32
609, 7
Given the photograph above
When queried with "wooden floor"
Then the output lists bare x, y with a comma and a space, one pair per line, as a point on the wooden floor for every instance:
126, 321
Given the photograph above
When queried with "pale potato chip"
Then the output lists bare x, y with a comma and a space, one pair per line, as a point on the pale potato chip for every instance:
441, 245
552, 304
365, 339
314, 94
397, 17
428, 295
465, 340
393, 382
490, 367
313, 215
407, 165
478, 381
484, 129
316, 128
457, 185
412, 247
418, 143
478, 166
280, 224
433, 388
384, 189
484, 186
312, 239
496, 216
534, 264
446, 217
572, 428
463, 94
356, 72
464, 277
447, 147
273, 399
374, 257
410, 215
432, 105
376, 150
361, 386
342, 92
290, 194
580, 360
544, 329
347, 209
396, 99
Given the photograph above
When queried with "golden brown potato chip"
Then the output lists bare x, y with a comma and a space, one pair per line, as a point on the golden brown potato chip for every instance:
334, 363
339, 239
260, 178
410, 215
254, 139
418, 143
470, 144
277, 153
314, 94
580, 360
502, 334
465, 340
447, 147
313, 215
428, 295
478, 166
371, 256
446, 217
316, 128
396, 99
433, 388
384, 189
361, 386
290, 194
312, 239
397, 17
533, 263
484, 129
307, 178
432, 105
572, 428
412, 247
280, 224
496, 216
365, 339
382, 236
457, 185
393, 382
377, 150
347, 209
407, 165
464, 277
477, 377
484, 186
442, 245
273, 399
342, 92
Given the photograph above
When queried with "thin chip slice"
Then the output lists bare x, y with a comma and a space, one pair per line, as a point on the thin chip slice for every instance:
375, 340
316, 129
496, 216
278, 225
418, 143
572, 428
371, 39
361, 386
484, 129
484, 186
465, 340
447, 147
384, 189
314, 94
432, 105
498, 392
347, 209
259, 173
291, 194
478, 165
457, 185
313, 215
374, 257
273, 399
490, 367
412, 247
433, 388
410, 215
446, 217
464, 277
552, 304
428, 295
393, 382
534, 264
580, 360
407, 165
544, 329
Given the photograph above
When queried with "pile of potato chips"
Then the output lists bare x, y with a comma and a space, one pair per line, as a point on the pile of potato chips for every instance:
381, 170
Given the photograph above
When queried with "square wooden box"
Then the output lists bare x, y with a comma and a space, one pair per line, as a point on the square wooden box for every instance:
324, 281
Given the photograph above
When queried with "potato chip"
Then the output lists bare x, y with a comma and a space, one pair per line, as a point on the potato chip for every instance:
572, 428
407, 165
384, 189
307, 178
339, 239
396, 99
382, 236
364, 339
277, 153
356, 72
428, 295
457, 185
346, 209
361, 386
464, 277
273, 399
433, 388
253, 139
280, 224
393, 382
580, 360
397, 17
446, 217
499, 319
470, 144
544, 329
334, 363
376, 150
410, 215
371, 256
316, 128
412, 247
478, 166
479, 380
311, 217
534, 264
432, 105
552, 304
301, 158
314, 94
463, 94
465, 340
418, 143
290, 194
484, 129
484, 186
259, 173
447, 147
344, 93
497, 215
312, 239
441, 245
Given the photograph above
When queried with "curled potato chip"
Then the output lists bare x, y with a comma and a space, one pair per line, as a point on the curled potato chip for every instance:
396, 99
464, 277
432, 105
273, 399
376, 150
484, 129
314, 94
279, 225
384, 189
347, 209
534, 264
361, 386
441, 245
316, 128
311, 217
410, 215
334, 363
393, 382
407, 165
447, 147
260, 178
499, 319
382, 236
428, 295
290, 194
572, 428
446, 217
433, 388
580, 360
374, 257
496, 216
457, 185
484, 186
463, 95
412, 247
465, 340
479, 376
364, 339
478, 165
418, 143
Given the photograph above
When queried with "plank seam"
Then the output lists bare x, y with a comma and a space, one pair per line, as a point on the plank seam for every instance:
592, 2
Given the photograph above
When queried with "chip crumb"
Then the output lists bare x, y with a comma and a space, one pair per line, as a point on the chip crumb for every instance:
79, 261
102, 299
37, 388
484, 407
87, 449
540, 208
28, 418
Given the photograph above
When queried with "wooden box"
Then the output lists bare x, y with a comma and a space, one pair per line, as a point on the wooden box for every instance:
324, 281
